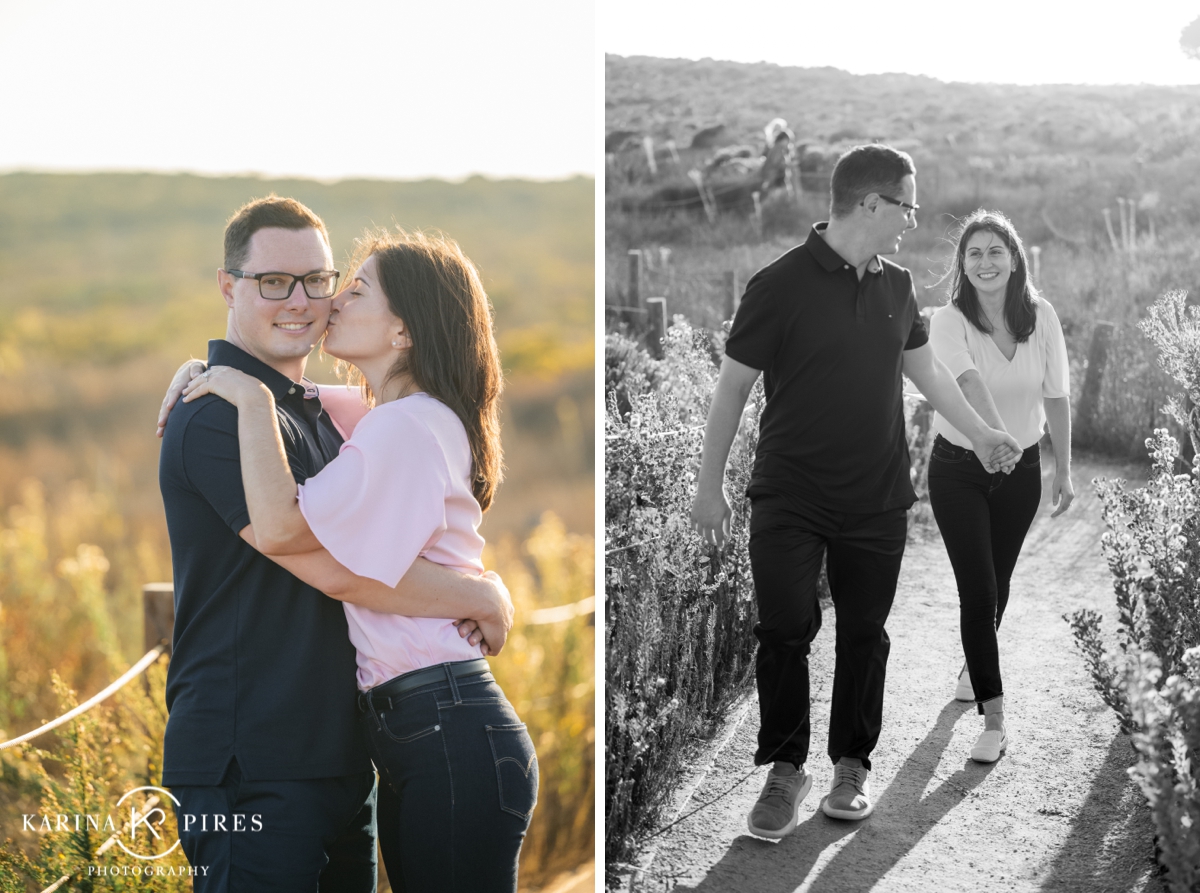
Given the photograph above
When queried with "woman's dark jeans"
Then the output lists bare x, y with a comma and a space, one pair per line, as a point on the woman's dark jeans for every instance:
458, 781
983, 518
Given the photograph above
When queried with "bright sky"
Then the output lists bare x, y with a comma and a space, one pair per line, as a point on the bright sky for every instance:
382, 88
1013, 41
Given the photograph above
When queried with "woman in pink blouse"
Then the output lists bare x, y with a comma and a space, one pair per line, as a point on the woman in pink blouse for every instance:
1004, 344
458, 770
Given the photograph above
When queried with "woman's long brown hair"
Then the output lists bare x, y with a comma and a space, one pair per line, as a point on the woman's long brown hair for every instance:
435, 289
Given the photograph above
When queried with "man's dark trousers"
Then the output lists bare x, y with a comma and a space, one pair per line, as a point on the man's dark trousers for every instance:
788, 539
308, 834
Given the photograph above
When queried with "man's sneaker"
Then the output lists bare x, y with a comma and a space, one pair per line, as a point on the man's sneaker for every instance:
778, 807
965, 691
990, 745
850, 796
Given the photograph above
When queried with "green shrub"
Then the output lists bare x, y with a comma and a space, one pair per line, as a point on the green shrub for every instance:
1153, 552
678, 638
102, 754
1168, 745
628, 371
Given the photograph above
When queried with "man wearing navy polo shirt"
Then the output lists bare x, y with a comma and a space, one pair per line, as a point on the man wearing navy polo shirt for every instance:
262, 747
831, 325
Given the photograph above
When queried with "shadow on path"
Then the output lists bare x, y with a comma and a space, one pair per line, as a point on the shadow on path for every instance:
1111, 843
904, 813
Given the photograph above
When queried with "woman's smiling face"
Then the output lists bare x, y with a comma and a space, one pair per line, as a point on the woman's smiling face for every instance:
988, 263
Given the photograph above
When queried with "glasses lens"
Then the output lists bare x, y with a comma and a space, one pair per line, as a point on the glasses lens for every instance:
320, 285
276, 286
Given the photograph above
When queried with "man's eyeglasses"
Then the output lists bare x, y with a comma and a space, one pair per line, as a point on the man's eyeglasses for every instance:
909, 210
279, 286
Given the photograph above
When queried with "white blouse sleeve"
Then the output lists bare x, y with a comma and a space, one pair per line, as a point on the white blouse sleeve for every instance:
1056, 382
948, 335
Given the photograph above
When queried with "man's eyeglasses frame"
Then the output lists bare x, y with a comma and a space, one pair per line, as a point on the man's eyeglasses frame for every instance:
242, 274
909, 210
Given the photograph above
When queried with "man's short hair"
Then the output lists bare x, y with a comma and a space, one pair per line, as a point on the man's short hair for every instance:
261, 213
866, 169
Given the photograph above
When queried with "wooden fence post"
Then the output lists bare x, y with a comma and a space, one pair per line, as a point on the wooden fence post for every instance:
648, 147
657, 312
158, 614
634, 298
1089, 398
731, 296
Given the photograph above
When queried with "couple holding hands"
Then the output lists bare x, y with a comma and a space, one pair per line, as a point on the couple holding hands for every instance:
832, 325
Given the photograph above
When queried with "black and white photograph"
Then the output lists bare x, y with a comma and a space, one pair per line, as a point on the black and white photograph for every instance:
901, 367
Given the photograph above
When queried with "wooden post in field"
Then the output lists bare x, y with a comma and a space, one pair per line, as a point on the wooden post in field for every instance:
1112, 238
656, 310
648, 147
634, 298
730, 301
158, 615
1089, 399
670, 144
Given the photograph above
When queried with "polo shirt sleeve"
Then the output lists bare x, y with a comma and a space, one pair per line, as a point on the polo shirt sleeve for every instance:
1056, 381
382, 501
757, 331
948, 335
212, 463
918, 335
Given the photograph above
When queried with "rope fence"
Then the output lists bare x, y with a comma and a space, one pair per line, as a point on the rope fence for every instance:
158, 607
129, 675
563, 613
159, 614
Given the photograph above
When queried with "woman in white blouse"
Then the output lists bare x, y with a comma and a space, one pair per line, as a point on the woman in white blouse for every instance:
1004, 344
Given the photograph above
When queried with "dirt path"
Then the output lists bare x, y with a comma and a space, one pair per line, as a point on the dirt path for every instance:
1057, 813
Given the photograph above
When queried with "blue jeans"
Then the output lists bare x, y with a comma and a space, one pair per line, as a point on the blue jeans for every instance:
458, 783
305, 834
983, 518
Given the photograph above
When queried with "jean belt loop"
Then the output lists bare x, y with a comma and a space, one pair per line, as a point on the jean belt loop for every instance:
453, 683
371, 711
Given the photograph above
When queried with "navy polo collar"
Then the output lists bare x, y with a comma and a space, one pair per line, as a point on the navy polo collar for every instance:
827, 257
224, 353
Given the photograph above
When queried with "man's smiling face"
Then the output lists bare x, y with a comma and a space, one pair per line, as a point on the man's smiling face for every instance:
280, 333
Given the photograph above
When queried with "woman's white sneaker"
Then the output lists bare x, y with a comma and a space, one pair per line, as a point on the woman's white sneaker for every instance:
990, 745
965, 691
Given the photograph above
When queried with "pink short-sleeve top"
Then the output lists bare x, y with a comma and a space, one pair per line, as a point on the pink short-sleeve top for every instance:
399, 489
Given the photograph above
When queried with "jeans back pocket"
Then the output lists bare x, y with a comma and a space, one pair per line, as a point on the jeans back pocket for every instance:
516, 768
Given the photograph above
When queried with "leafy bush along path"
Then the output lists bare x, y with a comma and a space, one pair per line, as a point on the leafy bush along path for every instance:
1057, 813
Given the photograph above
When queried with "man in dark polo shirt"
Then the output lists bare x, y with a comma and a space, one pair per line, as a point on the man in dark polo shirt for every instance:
262, 747
831, 325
